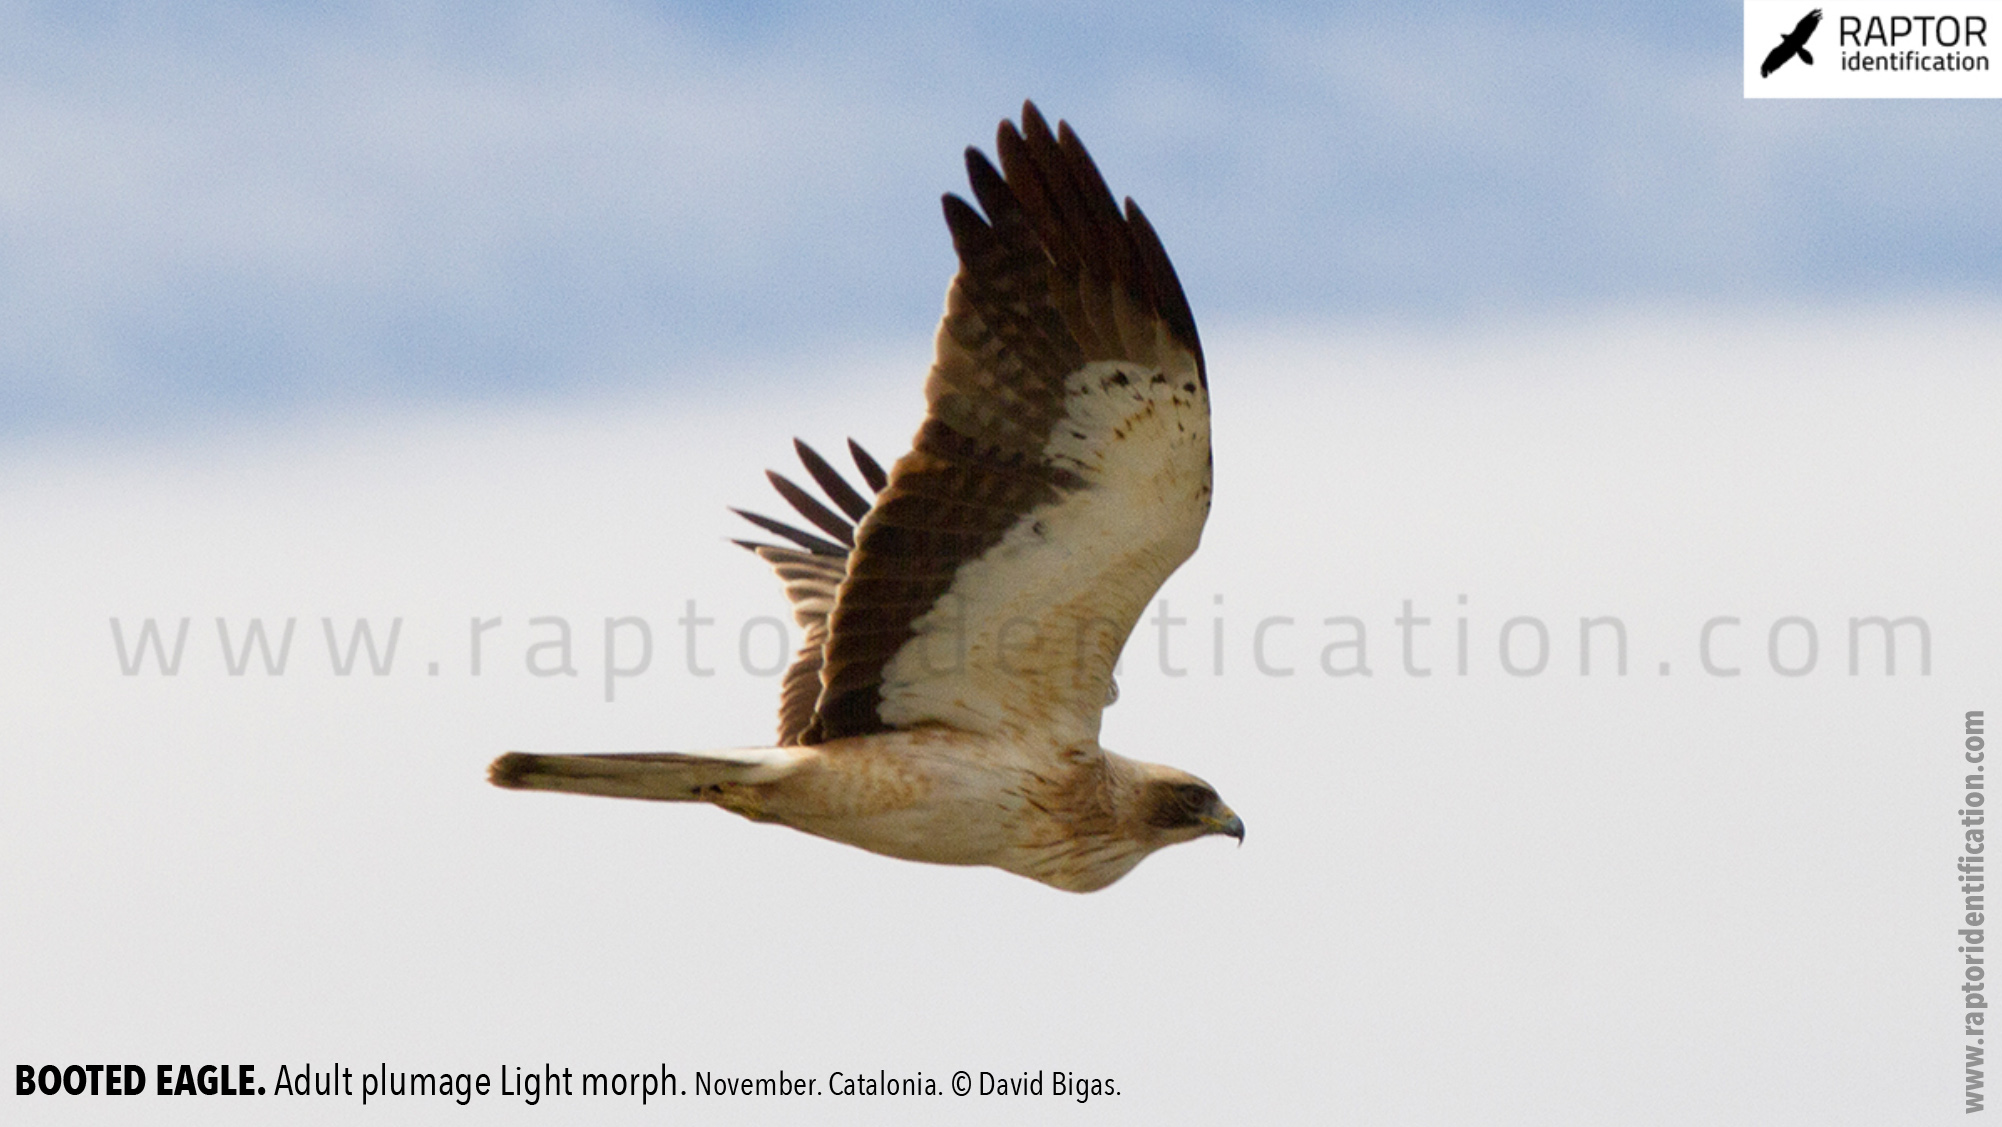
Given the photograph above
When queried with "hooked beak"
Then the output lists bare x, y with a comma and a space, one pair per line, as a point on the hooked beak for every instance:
1228, 824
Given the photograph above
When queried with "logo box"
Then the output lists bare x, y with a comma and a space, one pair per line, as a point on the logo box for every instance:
1900, 49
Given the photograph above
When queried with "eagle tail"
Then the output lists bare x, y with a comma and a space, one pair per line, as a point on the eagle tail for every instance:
659, 776
1805, 57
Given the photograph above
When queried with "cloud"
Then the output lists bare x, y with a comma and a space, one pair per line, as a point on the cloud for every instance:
219, 208
315, 858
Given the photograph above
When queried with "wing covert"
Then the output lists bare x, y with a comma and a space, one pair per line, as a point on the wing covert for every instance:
1061, 473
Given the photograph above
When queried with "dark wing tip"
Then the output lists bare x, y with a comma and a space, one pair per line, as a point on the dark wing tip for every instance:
989, 187
807, 540
816, 514
970, 232
1081, 225
1166, 286
840, 526
871, 470
1032, 118
831, 482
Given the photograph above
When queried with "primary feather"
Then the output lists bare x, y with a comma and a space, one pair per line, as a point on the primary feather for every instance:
961, 619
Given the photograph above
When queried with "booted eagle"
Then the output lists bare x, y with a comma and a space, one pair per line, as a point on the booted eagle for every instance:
961, 624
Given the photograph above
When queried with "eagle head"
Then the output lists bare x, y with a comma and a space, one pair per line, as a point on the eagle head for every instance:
1182, 807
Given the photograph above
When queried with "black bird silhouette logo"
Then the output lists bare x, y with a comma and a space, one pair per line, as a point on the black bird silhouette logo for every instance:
1793, 43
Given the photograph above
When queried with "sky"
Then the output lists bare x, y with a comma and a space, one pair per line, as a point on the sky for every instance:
218, 210
1600, 414
1700, 872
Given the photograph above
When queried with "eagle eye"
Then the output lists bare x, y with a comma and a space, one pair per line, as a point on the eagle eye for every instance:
1178, 804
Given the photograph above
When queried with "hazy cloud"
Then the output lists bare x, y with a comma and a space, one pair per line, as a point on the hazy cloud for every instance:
224, 207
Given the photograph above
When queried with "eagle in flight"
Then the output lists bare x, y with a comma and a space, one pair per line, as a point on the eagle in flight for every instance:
961, 625
1791, 44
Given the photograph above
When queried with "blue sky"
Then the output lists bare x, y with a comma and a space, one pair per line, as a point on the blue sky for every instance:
1518, 317
220, 210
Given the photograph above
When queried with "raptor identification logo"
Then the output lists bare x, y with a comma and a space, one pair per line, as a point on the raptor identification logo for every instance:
1880, 49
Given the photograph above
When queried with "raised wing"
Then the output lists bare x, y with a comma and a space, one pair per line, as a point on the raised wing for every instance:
812, 569
1061, 473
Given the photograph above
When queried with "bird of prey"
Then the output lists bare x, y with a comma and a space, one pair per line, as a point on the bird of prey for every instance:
961, 626
1791, 44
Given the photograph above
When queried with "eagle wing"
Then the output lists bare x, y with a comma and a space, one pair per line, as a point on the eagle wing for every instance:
1062, 471
812, 569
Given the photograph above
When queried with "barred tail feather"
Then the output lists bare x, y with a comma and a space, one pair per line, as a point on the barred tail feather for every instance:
659, 776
